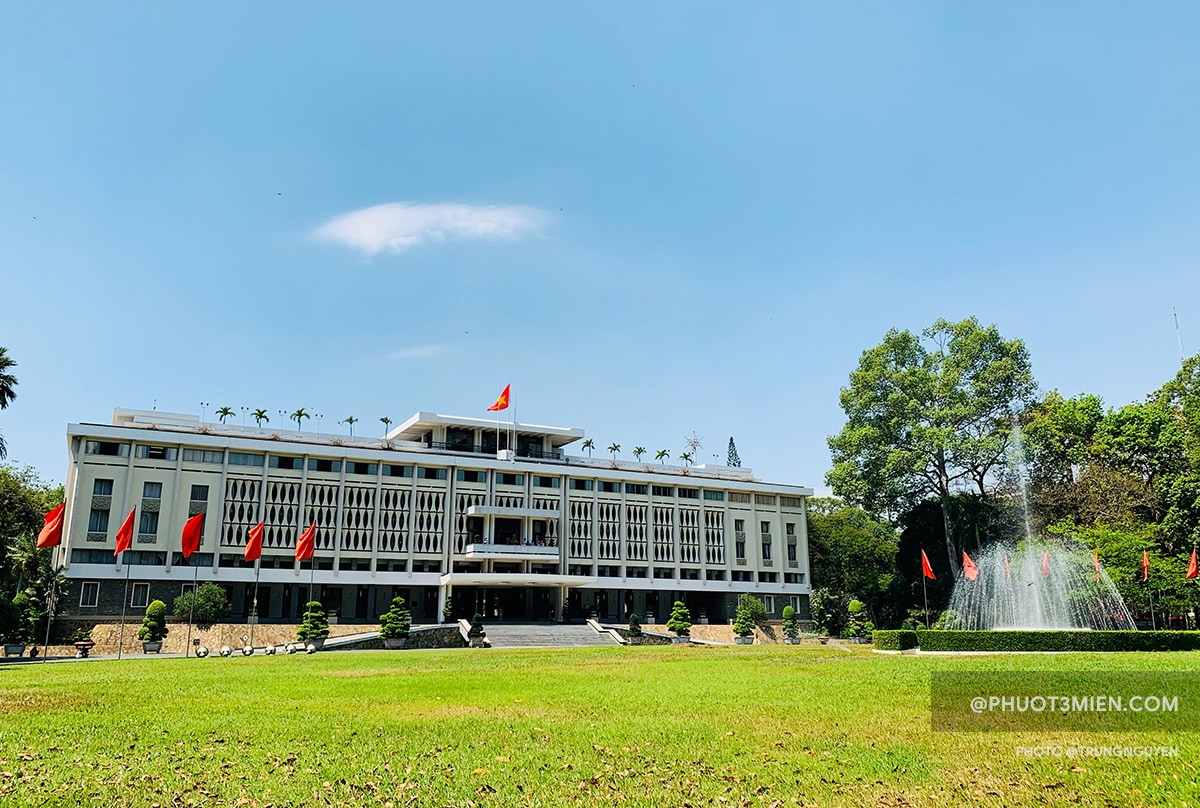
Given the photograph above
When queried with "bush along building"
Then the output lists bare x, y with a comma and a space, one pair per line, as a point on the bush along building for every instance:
456, 515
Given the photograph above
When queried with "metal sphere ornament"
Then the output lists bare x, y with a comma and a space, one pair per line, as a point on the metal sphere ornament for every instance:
310, 649
226, 650
269, 650
201, 651
248, 650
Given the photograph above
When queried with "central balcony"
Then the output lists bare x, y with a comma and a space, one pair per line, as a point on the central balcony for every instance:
511, 552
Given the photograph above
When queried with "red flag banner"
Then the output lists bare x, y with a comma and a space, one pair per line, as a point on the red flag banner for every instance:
193, 532
51, 533
926, 569
1046, 563
502, 402
1193, 567
969, 568
306, 544
1145, 566
1096, 561
254, 543
125, 534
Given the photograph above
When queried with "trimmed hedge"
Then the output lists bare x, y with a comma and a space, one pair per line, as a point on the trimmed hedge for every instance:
1055, 640
895, 639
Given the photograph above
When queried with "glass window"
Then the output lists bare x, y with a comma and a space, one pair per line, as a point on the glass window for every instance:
102, 488
397, 471
609, 487
148, 523
290, 463
359, 467
715, 496
689, 493
545, 482
199, 493
581, 485
790, 529
764, 499
791, 502
508, 478
662, 491
739, 525
100, 447
156, 452
140, 597
636, 488
98, 521
470, 476
738, 496
89, 594
791, 550
152, 490
323, 464
431, 473
241, 459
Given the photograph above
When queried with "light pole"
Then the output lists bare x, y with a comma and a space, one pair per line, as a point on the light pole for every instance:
318, 416
244, 411
203, 410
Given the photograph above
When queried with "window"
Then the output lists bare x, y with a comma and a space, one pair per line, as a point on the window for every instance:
664, 572
790, 530
102, 488
769, 602
148, 523
213, 456
635, 572
766, 548
580, 485
793, 577
794, 602
152, 490
689, 493
739, 546
323, 464
140, 597
791, 502
89, 594
156, 452
715, 496
508, 478
714, 575
764, 499
662, 491
791, 550
431, 473
768, 577
609, 487
239, 459
636, 488
359, 467
764, 528
687, 574
739, 526
100, 447
397, 471
199, 493
98, 521
289, 463
738, 496
545, 482
471, 476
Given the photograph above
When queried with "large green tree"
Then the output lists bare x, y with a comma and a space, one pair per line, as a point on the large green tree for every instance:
927, 415
853, 554
7, 382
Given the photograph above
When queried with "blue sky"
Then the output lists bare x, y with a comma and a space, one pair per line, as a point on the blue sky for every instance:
652, 219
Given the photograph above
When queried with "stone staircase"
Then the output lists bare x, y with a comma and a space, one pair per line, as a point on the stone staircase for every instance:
527, 635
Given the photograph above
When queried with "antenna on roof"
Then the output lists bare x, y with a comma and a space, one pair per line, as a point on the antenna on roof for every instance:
1178, 335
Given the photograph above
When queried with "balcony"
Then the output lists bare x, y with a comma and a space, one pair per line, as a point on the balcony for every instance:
531, 452
511, 552
501, 510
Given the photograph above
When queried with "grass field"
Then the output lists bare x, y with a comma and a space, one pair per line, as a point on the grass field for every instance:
750, 726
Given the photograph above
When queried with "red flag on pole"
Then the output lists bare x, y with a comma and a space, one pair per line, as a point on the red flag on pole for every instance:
51, 533
306, 544
502, 402
1193, 567
1145, 566
193, 532
969, 568
1046, 563
125, 534
926, 570
254, 543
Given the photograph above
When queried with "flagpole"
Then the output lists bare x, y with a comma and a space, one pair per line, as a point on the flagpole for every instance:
187, 645
925, 592
124, 605
254, 607
1150, 594
51, 601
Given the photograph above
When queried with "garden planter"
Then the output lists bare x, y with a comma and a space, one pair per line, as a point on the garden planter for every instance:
83, 648
395, 643
743, 640
792, 640
12, 649
823, 640
318, 644
154, 647
477, 642
681, 640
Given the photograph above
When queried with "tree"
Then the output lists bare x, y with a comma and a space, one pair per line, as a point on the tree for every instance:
661, 455
754, 607
315, 624
613, 448
791, 629
207, 605
732, 459
638, 451
686, 457
25, 558
928, 415
24, 499
1058, 434
849, 551
387, 422
298, 417
476, 632
350, 421
260, 416
396, 621
154, 624
224, 413
7, 382
743, 623
828, 612
635, 625
588, 445
680, 620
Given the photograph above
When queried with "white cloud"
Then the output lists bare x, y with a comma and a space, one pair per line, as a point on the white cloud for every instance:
418, 352
397, 226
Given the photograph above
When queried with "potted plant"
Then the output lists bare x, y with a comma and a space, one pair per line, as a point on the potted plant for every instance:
636, 634
680, 622
743, 626
791, 630
314, 627
16, 627
154, 627
394, 625
448, 610
476, 636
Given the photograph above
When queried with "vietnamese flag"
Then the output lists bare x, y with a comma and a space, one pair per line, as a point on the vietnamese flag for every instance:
969, 568
927, 570
1145, 566
1046, 563
502, 402
52, 530
306, 544
193, 532
254, 543
1193, 567
125, 534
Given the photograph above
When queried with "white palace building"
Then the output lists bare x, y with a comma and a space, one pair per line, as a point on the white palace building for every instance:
482, 515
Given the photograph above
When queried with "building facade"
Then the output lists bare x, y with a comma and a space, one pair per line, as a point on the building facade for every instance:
456, 515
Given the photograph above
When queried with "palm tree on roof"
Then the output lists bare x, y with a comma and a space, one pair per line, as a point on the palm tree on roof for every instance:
387, 422
661, 455
224, 413
260, 416
298, 417
613, 448
350, 421
588, 444
638, 451
686, 457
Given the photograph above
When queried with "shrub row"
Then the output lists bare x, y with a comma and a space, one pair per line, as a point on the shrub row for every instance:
1054, 640
894, 639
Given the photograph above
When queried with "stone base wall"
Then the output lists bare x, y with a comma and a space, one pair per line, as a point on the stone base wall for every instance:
769, 634
107, 635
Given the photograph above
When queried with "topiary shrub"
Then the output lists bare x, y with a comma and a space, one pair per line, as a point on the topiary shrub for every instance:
154, 624
207, 605
476, 631
743, 623
680, 621
314, 625
895, 639
756, 610
635, 626
396, 621
791, 629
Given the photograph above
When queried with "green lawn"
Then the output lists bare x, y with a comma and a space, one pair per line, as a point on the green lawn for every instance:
652, 725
